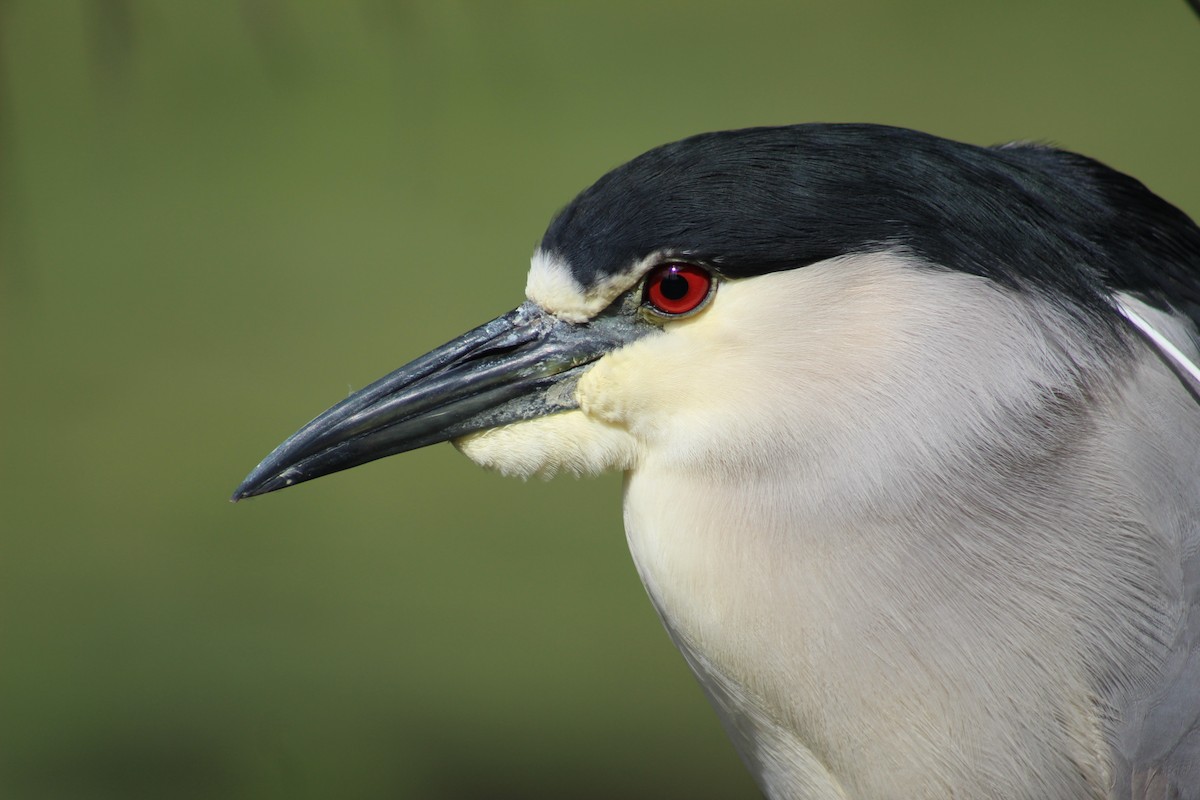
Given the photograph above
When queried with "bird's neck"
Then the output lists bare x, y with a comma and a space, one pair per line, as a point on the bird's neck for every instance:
797, 611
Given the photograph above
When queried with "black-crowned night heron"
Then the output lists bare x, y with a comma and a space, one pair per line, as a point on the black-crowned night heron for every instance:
911, 445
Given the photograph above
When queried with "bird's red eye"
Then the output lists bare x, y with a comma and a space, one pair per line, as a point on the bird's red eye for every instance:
675, 289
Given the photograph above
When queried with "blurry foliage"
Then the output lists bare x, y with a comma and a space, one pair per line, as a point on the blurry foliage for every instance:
217, 218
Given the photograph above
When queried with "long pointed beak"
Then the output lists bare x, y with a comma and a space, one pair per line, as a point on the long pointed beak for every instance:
521, 365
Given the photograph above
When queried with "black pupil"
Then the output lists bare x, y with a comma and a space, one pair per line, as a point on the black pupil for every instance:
674, 286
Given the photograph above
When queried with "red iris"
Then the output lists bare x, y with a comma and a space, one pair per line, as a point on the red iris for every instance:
675, 289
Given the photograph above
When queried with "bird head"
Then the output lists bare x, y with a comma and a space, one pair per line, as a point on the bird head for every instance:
831, 262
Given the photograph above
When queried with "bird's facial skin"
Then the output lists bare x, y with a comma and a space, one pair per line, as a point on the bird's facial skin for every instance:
597, 438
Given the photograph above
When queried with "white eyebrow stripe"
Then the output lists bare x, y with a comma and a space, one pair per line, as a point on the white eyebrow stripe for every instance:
552, 286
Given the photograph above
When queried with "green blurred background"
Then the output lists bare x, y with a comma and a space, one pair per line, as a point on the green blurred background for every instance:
217, 218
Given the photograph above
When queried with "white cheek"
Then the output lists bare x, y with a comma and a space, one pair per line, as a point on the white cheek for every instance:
566, 442
694, 387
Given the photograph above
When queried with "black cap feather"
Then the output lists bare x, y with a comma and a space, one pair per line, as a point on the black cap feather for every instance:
765, 199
